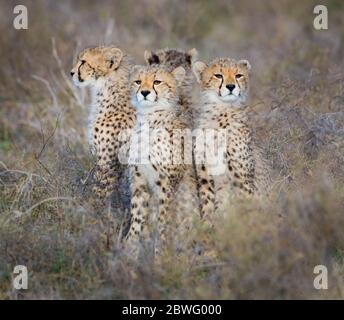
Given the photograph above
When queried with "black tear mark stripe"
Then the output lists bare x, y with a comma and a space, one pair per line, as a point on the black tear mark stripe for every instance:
137, 91
79, 72
221, 82
237, 80
156, 93
238, 84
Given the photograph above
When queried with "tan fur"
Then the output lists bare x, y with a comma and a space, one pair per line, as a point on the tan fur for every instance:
106, 70
171, 59
224, 112
159, 180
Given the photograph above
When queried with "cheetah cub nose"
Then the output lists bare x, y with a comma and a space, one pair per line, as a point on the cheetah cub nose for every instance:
72, 73
145, 93
230, 87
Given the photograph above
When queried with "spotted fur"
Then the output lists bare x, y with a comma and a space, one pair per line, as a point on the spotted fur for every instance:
106, 71
171, 59
224, 86
155, 94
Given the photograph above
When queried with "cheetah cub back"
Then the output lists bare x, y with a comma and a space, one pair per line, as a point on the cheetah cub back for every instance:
106, 71
156, 157
234, 168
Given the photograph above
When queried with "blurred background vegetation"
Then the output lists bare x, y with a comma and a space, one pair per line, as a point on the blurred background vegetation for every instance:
263, 250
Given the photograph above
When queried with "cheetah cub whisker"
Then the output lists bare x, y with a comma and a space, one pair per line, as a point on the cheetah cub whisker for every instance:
106, 71
155, 95
224, 87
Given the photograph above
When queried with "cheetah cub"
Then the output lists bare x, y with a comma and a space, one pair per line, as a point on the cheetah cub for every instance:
171, 59
156, 155
106, 71
186, 199
226, 160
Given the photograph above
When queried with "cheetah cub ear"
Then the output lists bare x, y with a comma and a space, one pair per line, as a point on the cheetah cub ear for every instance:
198, 67
113, 56
192, 56
245, 65
179, 74
151, 57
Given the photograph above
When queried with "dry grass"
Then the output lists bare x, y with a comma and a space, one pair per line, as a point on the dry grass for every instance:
49, 220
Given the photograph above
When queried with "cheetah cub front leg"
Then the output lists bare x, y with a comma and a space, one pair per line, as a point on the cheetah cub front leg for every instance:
140, 197
106, 177
206, 192
165, 194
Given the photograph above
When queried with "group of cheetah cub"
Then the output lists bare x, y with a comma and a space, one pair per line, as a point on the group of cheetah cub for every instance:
185, 157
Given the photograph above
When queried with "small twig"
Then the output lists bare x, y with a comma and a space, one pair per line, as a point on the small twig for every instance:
47, 200
20, 172
51, 91
45, 142
63, 74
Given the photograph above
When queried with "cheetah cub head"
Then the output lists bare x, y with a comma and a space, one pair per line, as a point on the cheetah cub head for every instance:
154, 87
95, 64
224, 80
